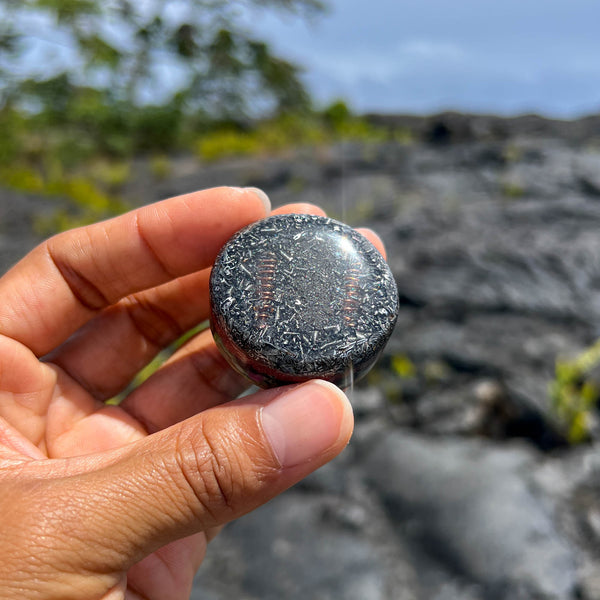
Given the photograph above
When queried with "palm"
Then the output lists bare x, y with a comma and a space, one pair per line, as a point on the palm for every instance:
62, 419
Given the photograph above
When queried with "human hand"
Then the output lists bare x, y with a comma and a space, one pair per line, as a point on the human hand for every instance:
112, 502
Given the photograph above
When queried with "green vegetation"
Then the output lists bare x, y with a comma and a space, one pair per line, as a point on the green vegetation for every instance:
72, 133
512, 153
403, 366
89, 201
393, 375
285, 131
575, 393
70, 129
513, 190
117, 55
160, 166
436, 372
158, 361
57, 161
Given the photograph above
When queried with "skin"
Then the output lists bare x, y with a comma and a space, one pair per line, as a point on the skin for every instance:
106, 502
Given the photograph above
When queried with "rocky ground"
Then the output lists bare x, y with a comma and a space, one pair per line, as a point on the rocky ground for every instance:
459, 483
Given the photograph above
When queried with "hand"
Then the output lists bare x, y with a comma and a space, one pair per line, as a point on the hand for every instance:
110, 502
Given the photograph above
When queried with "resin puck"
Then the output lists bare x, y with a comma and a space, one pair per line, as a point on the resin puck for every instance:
299, 297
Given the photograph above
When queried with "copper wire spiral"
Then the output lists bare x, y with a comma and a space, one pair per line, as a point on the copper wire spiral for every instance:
266, 288
351, 302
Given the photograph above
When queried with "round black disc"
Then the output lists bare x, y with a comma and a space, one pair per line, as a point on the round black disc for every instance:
296, 297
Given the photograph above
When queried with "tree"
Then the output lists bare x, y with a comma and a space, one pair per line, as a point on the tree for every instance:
119, 53
87, 85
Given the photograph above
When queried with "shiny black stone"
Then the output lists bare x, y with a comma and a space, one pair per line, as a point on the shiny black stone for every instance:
298, 297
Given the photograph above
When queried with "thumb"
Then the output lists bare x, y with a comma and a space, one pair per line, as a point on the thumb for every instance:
204, 471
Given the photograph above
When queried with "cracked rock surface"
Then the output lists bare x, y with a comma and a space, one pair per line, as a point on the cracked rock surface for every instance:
458, 483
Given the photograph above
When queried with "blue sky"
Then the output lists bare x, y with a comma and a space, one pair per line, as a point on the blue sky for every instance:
420, 56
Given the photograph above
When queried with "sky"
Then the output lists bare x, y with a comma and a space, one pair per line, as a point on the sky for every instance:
422, 56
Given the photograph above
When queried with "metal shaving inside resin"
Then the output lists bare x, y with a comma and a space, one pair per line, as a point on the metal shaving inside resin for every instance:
297, 297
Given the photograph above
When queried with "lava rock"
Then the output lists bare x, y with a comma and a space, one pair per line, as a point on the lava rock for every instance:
305, 546
470, 509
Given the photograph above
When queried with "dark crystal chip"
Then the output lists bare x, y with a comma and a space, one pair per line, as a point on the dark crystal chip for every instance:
299, 297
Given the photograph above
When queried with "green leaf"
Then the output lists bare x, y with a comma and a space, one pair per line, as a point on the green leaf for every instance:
151, 30
67, 10
99, 51
184, 41
222, 53
9, 42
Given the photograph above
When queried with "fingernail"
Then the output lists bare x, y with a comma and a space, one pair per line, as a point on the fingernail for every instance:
304, 423
265, 199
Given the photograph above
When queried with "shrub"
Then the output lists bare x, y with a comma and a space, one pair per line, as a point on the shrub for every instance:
574, 393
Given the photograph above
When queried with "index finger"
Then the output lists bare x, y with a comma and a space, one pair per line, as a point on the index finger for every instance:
65, 281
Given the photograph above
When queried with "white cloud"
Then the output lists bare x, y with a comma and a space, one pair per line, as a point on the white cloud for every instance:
431, 50
402, 58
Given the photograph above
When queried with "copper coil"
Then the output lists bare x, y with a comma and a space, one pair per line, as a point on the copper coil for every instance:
351, 302
266, 288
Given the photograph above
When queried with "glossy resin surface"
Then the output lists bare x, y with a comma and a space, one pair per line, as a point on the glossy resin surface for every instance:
296, 297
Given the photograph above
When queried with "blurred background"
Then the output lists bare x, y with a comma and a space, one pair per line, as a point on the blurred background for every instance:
468, 136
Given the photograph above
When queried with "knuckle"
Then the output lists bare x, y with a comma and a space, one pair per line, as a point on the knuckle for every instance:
153, 323
211, 473
224, 468
82, 285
